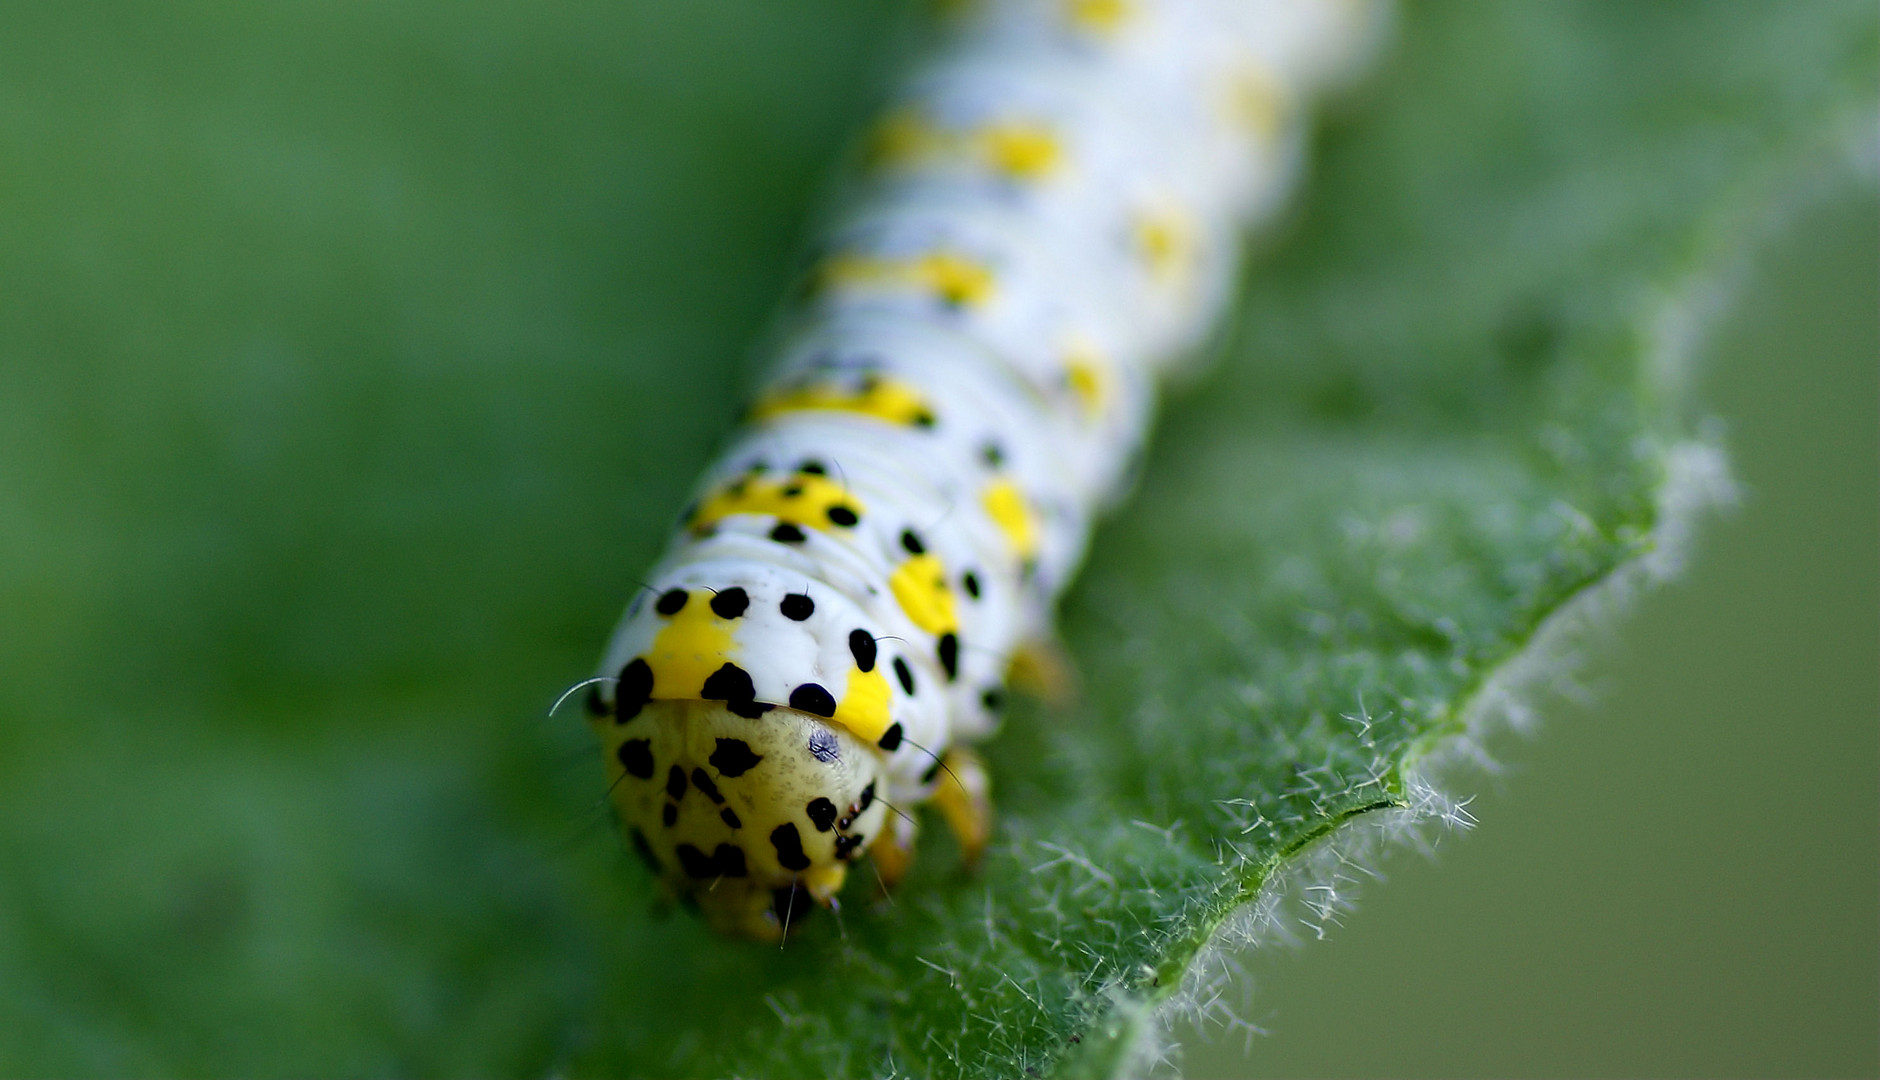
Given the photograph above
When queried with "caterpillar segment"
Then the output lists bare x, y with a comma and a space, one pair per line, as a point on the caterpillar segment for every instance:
1044, 222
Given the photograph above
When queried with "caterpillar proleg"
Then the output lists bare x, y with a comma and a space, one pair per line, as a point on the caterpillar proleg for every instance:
1044, 221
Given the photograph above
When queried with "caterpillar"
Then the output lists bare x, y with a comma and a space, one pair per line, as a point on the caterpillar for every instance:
1044, 221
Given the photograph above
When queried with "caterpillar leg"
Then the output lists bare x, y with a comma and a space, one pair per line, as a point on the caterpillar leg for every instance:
964, 798
1042, 669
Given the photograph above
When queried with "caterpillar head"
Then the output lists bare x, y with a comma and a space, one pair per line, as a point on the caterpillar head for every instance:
749, 817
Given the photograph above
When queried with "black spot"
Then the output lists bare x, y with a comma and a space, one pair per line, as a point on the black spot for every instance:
791, 904
750, 710
634, 690
727, 860
904, 675
843, 516
636, 756
730, 603
923, 419
970, 582
846, 845
862, 647
950, 655
792, 491
669, 816
992, 454
730, 819
789, 845
868, 798
797, 607
813, 468
728, 683
595, 704
932, 771
813, 699
705, 786
786, 533
822, 813
891, 739
645, 851
733, 757
671, 602
911, 543
730, 860
992, 700
675, 783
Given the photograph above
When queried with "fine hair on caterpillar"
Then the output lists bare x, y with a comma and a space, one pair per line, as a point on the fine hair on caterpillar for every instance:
1045, 225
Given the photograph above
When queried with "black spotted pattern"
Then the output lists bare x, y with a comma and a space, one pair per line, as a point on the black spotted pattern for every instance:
789, 844
730, 818
904, 676
891, 739
822, 813
669, 816
970, 582
732, 758
636, 756
675, 783
726, 860
730, 603
671, 602
790, 903
950, 655
786, 533
911, 543
728, 683
797, 607
846, 846
843, 516
862, 647
813, 699
704, 784
634, 690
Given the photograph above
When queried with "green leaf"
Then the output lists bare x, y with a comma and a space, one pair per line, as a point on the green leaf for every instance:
356, 360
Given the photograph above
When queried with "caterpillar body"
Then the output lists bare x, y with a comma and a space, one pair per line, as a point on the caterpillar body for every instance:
1044, 221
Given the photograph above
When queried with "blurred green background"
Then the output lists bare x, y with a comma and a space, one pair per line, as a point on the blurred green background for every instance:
353, 357
1681, 875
